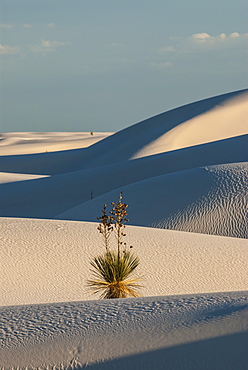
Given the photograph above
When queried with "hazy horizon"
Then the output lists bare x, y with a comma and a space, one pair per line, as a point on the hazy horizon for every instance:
105, 65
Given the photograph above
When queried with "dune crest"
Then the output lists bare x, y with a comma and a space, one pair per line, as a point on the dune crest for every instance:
226, 115
227, 120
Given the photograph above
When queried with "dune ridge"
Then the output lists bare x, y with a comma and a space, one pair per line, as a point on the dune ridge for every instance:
123, 145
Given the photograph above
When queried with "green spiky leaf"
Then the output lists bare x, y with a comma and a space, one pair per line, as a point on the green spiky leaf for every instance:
112, 275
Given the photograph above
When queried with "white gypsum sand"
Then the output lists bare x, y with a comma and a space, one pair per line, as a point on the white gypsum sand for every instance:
209, 200
184, 170
201, 188
51, 260
39, 142
205, 331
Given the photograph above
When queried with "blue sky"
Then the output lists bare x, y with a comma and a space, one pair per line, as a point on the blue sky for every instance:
102, 65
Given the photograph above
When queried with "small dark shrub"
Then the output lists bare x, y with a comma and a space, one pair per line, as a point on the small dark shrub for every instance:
113, 269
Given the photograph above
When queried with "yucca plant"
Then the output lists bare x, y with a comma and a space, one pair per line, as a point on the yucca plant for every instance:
113, 269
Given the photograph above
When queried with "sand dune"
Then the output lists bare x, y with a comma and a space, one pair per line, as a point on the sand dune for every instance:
127, 143
182, 200
209, 200
197, 123
7, 177
157, 331
142, 333
172, 262
184, 176
227, 119
39, 142
179, 332
188, 196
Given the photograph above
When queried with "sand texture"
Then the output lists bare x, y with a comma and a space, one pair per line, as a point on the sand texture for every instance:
176, 332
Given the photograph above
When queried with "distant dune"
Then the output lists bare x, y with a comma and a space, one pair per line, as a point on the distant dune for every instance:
12, 143
187, 165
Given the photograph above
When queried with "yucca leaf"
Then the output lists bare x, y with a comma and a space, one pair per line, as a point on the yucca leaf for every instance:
111, 272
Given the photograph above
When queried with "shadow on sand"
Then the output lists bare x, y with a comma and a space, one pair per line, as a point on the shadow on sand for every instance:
228, 352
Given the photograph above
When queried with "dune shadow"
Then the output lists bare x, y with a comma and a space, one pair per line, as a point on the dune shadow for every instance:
229, 352
41, 198
48, 163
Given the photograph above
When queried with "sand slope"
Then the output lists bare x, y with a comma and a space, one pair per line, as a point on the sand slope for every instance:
180, 332
172, 262
209, 200
48, 261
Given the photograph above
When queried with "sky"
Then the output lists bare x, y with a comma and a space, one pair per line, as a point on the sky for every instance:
103, 65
